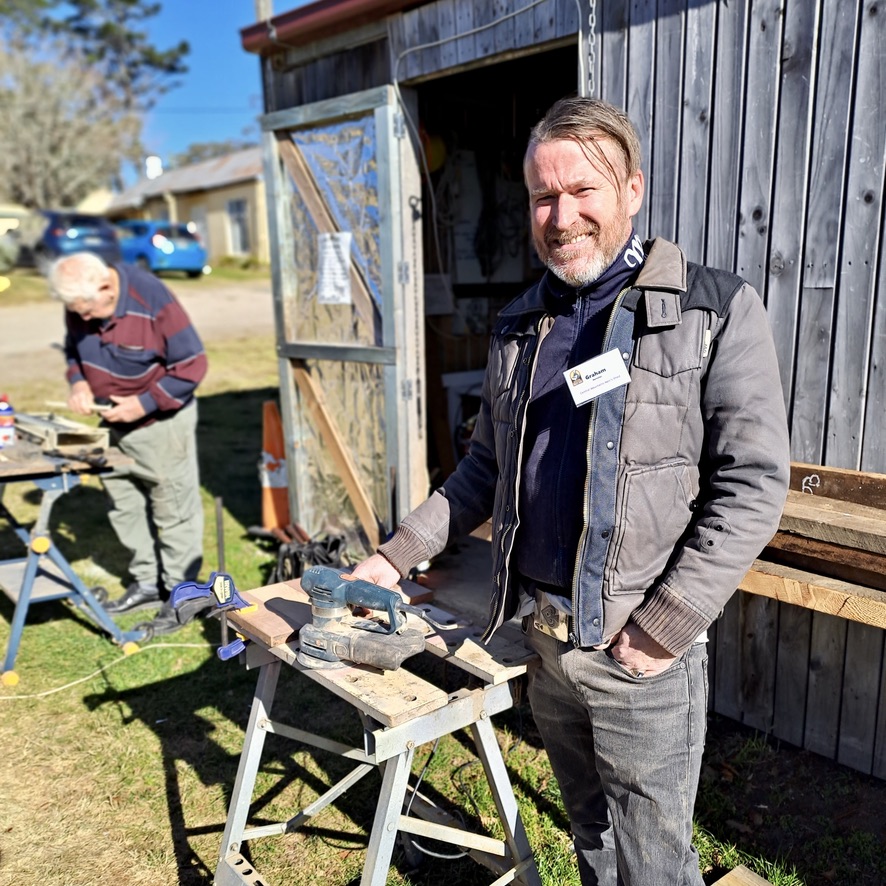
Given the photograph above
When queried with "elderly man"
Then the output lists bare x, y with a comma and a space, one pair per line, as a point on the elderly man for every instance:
632, 451
131, 347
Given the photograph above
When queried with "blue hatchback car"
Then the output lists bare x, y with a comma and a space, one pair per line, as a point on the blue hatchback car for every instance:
162, 246
69, 231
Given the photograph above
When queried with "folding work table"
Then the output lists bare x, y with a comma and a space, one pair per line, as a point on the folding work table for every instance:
399, 711
44, 574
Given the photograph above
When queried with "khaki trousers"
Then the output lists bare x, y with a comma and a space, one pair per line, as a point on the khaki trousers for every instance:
156, 509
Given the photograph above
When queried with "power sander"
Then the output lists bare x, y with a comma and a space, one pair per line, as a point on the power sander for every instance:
336, 635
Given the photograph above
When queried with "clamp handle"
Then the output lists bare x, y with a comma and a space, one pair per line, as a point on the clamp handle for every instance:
220, 585
231, 650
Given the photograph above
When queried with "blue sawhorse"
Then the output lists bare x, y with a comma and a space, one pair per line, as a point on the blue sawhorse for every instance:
44, 574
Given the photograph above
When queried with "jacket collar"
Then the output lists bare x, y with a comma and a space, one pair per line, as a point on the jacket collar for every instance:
663, 271
664, 268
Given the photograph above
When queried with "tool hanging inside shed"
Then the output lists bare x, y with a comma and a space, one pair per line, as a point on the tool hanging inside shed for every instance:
336, 635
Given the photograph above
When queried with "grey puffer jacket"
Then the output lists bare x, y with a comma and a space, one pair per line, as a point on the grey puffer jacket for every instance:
688, 465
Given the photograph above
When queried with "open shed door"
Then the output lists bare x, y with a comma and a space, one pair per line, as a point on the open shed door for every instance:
345, 218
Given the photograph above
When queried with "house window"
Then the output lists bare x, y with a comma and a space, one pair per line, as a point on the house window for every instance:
238, 222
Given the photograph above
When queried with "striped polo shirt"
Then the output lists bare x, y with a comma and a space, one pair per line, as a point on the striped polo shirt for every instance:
148, 348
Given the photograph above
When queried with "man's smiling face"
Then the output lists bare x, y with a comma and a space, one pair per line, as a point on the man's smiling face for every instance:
581, 206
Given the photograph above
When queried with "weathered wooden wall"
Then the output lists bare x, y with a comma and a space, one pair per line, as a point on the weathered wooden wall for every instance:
762, 124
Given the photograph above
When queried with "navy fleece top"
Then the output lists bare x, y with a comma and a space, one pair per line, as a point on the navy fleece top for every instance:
555, 445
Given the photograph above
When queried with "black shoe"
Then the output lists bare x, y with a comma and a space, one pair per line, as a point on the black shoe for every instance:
165, 621
136, 597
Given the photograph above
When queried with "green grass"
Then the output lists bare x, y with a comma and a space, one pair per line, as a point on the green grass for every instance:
124, 774
27, 286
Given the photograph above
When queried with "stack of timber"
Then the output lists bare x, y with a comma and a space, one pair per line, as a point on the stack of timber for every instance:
800, 654
830, 551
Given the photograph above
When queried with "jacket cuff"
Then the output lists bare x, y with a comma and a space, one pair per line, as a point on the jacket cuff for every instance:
670, 621
404, 550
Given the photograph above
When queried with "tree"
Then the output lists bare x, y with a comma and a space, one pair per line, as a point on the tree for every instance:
61, 134
70, 104
200, 151
25, 12
106, 33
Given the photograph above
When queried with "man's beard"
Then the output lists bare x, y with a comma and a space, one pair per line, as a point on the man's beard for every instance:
581, 270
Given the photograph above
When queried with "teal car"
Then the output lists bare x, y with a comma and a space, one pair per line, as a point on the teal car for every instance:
162, 246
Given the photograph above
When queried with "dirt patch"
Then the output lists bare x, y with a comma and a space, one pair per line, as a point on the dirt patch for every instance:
781, 802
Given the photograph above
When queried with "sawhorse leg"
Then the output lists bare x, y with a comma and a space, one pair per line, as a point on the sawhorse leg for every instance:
391, 749
232, 868
519, 867
18, 619
505, 802
387, 819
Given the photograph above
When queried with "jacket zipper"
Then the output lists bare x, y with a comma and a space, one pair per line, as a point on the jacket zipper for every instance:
521, 411
582, 541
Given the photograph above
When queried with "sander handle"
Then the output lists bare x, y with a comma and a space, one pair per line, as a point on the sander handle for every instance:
329, 589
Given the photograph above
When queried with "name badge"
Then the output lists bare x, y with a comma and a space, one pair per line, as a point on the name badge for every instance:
596, 376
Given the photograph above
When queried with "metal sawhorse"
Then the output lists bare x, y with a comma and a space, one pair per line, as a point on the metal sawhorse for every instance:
44, 574
399, 712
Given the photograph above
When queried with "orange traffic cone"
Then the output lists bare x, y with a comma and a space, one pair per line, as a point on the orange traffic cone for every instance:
272, 470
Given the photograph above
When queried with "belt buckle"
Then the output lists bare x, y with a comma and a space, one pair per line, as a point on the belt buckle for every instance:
549, 620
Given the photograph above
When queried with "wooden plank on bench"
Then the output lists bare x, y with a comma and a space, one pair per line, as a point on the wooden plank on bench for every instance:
741, 876
832, 520
812, 555
860, 487
818, 592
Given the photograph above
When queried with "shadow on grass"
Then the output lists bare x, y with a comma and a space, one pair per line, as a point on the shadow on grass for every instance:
175, 710
777, 801
229, 444
229, 440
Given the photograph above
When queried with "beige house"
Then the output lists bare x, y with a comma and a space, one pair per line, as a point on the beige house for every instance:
223, 197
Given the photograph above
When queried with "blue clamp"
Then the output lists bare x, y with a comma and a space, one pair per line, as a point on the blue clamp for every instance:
221, 586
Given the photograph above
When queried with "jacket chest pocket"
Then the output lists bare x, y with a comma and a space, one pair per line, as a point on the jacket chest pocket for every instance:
674, 349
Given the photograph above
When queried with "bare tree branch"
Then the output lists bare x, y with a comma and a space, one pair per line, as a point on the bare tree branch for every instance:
61, 134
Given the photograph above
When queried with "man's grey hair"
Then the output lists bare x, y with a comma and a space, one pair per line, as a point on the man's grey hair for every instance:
588, 121
77, 277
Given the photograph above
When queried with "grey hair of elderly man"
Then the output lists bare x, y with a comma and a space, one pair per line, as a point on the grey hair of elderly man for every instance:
77, 277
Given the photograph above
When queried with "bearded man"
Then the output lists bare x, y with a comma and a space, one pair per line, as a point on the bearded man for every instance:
632, 451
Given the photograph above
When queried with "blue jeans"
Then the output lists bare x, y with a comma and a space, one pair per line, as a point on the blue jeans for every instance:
626, 752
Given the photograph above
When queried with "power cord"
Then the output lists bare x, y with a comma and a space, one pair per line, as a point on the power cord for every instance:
110, 664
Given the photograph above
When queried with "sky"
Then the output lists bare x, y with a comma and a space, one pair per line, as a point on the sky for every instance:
220, 96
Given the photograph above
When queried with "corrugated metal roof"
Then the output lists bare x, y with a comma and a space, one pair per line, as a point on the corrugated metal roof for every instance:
230, 169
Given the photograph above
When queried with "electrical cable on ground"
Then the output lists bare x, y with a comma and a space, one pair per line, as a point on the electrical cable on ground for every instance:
110, 664
449, 856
